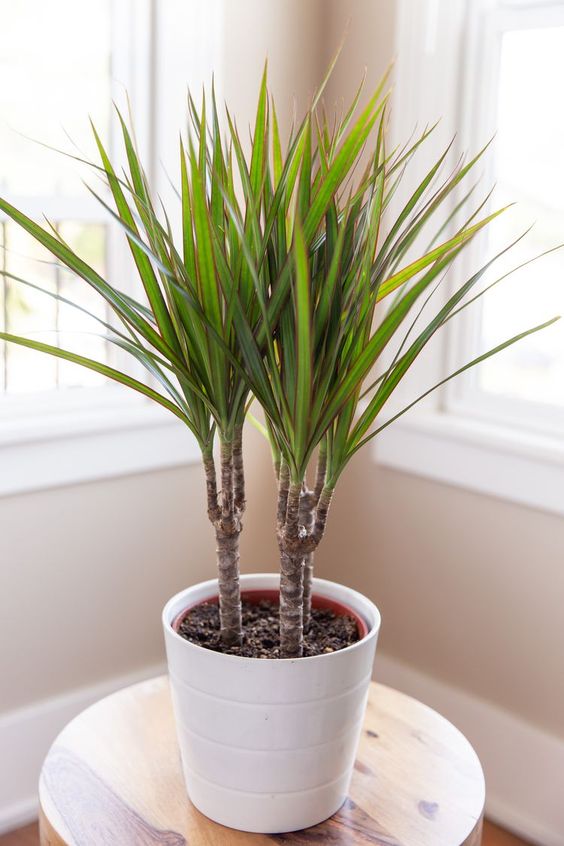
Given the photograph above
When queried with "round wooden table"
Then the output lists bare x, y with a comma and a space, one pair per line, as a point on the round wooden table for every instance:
113, 778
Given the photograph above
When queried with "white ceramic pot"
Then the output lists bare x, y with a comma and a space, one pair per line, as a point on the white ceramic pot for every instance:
268, 745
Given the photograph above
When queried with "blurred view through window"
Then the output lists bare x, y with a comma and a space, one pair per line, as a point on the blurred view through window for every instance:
55, 67
529, 170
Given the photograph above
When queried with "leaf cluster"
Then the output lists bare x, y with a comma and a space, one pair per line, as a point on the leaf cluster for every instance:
340, 292
291, 284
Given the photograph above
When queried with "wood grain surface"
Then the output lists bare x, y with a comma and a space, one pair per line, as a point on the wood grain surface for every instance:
493, 835
113, 778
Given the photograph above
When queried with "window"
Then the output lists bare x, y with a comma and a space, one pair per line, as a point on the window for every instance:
518, 68
61, 61
492, 67
41, 99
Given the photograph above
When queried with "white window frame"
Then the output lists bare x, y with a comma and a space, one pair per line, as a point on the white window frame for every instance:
76, 435
487, 24
449, 438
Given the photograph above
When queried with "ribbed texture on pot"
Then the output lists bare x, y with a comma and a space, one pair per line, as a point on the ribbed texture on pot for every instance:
268, 745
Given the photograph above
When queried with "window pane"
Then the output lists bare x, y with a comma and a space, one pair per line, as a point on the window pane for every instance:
55, 61
2, 304
29, 312
79, 331
529, 170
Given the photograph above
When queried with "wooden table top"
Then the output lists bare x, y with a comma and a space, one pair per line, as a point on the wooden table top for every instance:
113, 778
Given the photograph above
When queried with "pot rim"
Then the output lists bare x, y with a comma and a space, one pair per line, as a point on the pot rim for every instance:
169, 618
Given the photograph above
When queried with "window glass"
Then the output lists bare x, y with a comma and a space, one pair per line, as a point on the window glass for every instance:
529, 170
55, 66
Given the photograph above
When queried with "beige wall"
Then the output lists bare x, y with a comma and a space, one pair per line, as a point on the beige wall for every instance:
470, 588
86, 570
366, 30
287, 33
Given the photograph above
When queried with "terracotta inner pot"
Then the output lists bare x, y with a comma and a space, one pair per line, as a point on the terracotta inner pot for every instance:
256, 595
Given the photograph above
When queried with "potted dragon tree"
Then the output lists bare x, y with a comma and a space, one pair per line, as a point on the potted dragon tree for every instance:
289, 284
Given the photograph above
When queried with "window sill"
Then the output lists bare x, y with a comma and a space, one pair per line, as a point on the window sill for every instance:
487, 458
53, 449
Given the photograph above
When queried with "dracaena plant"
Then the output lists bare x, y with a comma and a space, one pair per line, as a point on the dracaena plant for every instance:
286, 287
338, 300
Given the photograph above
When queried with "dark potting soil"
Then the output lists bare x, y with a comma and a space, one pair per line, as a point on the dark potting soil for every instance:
327, 631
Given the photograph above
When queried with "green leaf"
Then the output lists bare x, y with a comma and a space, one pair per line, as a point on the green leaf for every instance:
207, 278
302, 398
342, 163
260, 147
276, 148
142, 261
